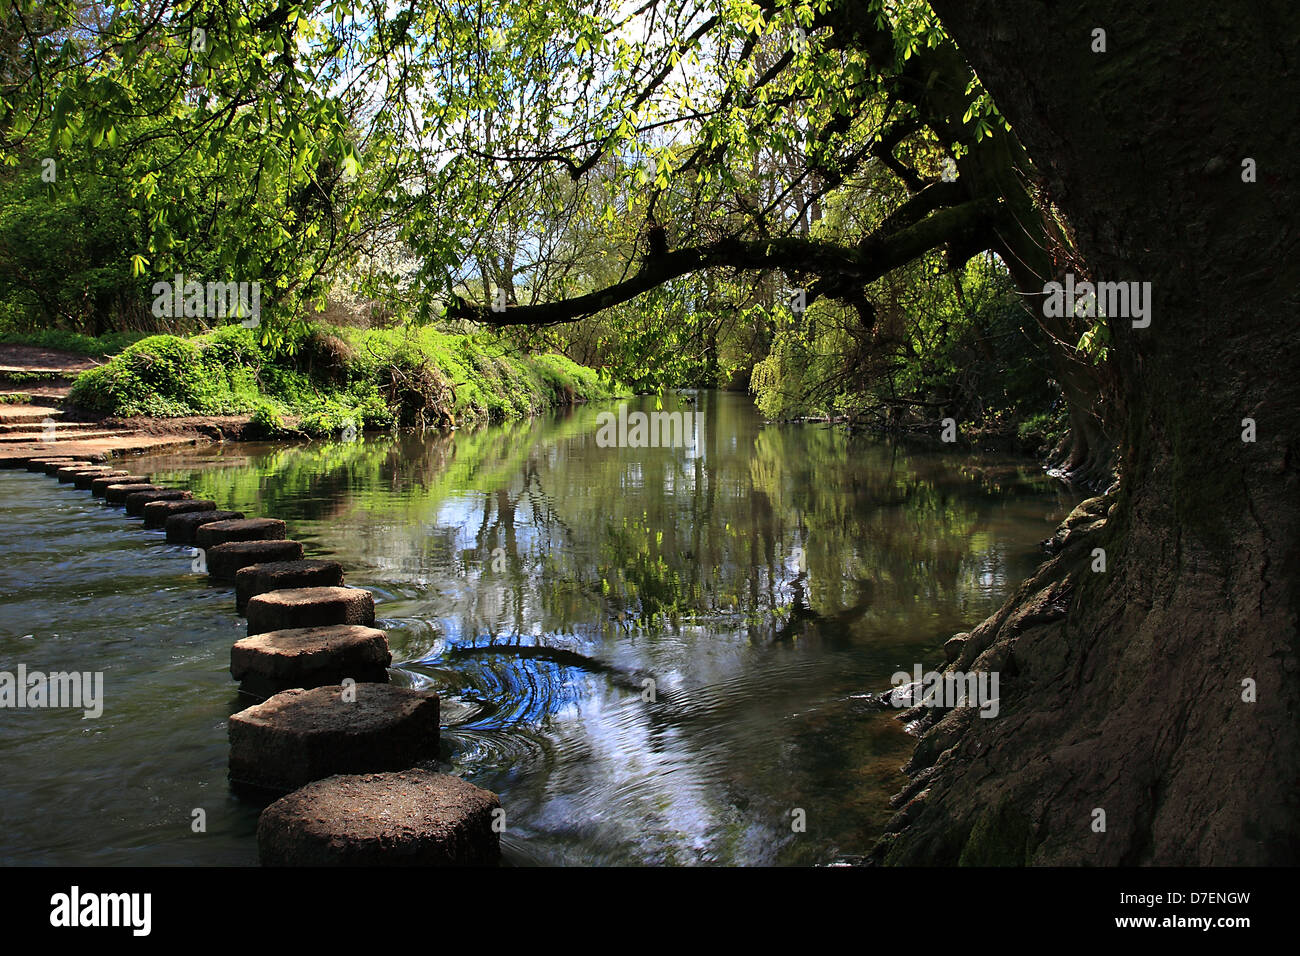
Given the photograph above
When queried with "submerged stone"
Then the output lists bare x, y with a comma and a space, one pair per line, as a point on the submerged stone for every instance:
266, 664
309, 607
181, 528
239, 529
282, 575
225, 560
303, 735
407, 818
156, 513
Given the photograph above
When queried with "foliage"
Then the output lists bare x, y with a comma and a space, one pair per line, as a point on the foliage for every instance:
333, 377
942, 346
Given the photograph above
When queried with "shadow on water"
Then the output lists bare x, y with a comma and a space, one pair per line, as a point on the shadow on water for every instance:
653, 654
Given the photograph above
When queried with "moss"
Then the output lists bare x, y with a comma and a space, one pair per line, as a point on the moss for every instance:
1000, 837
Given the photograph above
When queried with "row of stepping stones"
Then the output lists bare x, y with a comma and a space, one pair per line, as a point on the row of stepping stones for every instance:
331, 741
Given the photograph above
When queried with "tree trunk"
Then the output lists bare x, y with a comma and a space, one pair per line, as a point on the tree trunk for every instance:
1122, 691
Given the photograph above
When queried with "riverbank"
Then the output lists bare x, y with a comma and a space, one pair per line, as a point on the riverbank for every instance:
316, 380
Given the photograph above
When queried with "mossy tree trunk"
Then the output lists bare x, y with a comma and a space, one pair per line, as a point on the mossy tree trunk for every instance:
1122, 690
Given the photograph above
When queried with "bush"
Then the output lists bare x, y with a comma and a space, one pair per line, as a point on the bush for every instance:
166, 376
265, 422
375, 378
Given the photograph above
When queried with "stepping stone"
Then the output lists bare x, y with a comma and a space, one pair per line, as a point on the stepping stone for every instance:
115, 494
156, 512
38, 464
280, 575
97, 485
225, 560
53, 467
182, 527
66, 474
309, 657
135, 503
83, 479
235, 529
303, 735
408, 818
277, 610
309, 607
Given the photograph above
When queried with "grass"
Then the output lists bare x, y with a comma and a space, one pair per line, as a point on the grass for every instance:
324, 378
101, 347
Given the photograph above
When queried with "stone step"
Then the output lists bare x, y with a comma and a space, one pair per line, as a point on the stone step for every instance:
135, 502
407, 818
99, 485
224, 561
35, 394
59, 427
282, 575
41, 437
307, 657
239, 529
309, 607
12, 414
115, 494
38, 464
55, 466
156, 513
68, 474
181, 528
303, 735
85, 479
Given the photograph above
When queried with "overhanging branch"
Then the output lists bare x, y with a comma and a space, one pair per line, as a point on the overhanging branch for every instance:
847, 267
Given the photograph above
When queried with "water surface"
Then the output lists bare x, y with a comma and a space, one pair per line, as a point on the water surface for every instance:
754, 583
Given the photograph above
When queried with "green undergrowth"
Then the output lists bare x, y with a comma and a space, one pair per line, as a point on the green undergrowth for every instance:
323, 379
101, 347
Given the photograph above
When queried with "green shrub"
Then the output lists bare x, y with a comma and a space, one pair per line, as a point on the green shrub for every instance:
265, 422
375, 378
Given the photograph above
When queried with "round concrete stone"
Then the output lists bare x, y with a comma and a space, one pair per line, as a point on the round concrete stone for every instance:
310, 657
54, 467
408, 818
236, 529
98, 485
225, 560
116, 494
280, 575
38, 464
157, 512
84, 479
303, 735
181, 527
309, 607
135, 503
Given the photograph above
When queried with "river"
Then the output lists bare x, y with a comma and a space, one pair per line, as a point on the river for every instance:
725, 605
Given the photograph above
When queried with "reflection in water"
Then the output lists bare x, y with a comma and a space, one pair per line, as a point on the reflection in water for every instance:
751, 583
